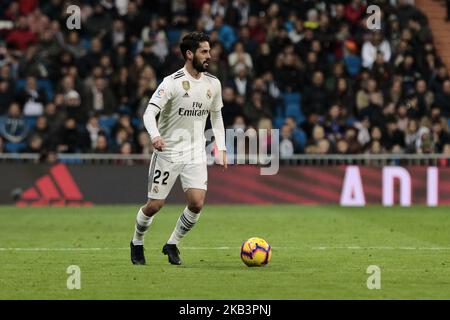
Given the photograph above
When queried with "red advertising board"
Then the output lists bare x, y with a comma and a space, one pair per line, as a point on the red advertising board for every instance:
80, 185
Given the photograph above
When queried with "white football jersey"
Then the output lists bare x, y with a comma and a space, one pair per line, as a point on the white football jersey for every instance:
185, 103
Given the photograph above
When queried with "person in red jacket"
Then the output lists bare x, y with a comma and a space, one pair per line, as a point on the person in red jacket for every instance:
21, 37
27, 6
354, 11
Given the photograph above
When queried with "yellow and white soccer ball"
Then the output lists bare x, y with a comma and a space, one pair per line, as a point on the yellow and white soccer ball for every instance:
256, 252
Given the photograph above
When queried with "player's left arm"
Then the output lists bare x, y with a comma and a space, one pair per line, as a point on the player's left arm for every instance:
218, 126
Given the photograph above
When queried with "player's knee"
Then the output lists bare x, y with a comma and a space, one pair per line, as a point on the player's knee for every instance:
196, 205
152, 207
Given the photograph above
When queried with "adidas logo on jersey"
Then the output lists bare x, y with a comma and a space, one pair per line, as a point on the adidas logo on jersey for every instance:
186, 95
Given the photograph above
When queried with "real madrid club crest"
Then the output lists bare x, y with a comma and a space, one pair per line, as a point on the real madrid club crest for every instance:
186, 86
208, 94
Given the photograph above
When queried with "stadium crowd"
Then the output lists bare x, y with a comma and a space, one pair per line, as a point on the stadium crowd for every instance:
310, 68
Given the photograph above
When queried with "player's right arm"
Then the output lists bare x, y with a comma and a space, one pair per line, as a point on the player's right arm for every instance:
156, 104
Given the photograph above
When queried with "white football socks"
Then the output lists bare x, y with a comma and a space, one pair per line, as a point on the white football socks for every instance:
185, 223
143, 222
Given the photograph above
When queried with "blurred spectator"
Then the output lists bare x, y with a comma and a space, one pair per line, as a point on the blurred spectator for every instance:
124, 122
239, 124
393, 136
342, 147
298, 135
218, 66
354, 11
289, 74
123, 87
14, 128
99, 23
206, 17
230, 108
286, 143
92, 57
443, 99
144, 144
74, 46
441, 136
375, 147
227, 35
256, 109
55, 115
323, 147
32, 98
6, 96
119, 138
2, 147
42, 130
334, 123
363, 136
241, 82
239, 56
444, 161
316, 97
94, 130
376, 134
73, 106
409, 72
100, 99
35, 145
351, 138
344, 97
21, 37
100, 145
411, 136
318, 135
369, 102
71, 139
371, 47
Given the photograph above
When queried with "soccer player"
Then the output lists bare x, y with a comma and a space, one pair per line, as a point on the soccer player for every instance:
183, 101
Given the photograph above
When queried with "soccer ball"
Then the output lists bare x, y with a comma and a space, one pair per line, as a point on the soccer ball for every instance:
256, 252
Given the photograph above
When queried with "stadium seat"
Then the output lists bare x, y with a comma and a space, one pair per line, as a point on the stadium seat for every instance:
299, 137
30, 121
20, 84
107, 122
173, 35
294, 110
292, 106
85, 43
292, 98
352, 64
278, 122
351, 121
136, 122
279, 110
12, 147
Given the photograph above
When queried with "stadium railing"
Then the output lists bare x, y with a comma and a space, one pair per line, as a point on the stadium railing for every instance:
299, 159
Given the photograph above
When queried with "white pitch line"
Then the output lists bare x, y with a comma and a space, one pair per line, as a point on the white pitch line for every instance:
381, 248
321, 248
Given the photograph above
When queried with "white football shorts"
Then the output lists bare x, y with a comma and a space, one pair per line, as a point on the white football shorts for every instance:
163, 174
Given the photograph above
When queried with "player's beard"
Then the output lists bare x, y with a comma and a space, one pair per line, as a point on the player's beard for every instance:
198, 65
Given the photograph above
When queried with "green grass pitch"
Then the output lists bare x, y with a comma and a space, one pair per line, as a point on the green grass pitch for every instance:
318, 253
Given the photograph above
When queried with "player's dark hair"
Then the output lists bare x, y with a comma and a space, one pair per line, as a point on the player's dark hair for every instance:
191, 42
